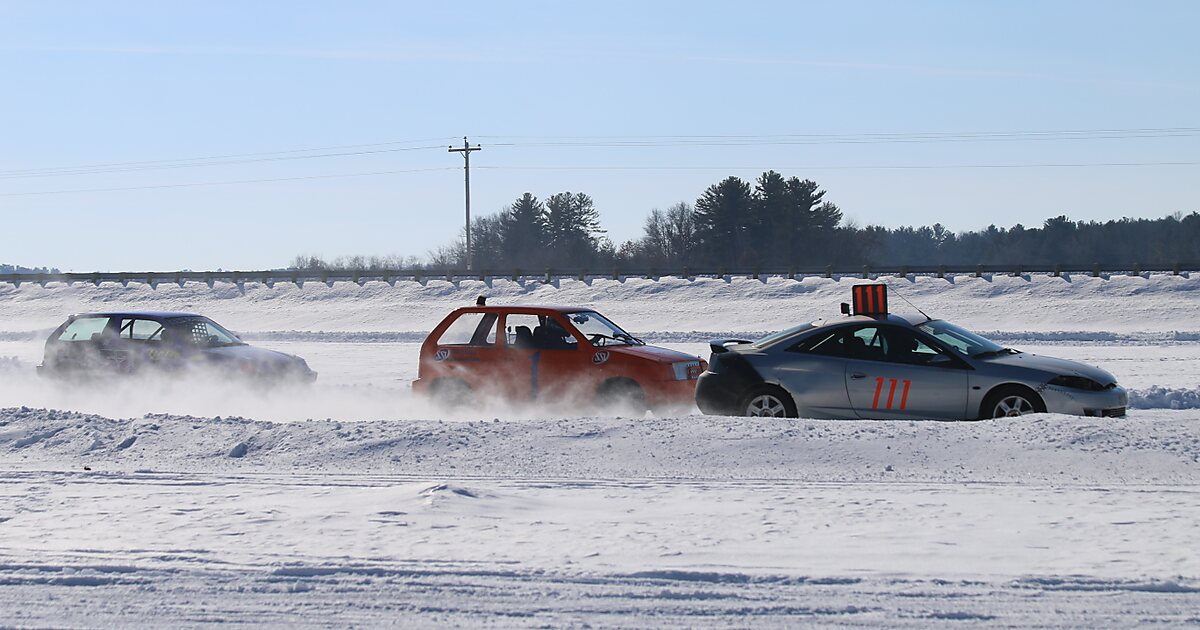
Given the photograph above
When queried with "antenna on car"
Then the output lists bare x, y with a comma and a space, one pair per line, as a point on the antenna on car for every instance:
928, 318
481, 301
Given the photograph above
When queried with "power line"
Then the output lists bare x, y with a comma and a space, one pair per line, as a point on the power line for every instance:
225, 183
837, 167
872, 137
613, 168
749, 141
172, 166
646, 141
206, 161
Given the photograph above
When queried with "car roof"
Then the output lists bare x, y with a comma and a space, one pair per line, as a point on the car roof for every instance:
139, 314
522, 308
890, 318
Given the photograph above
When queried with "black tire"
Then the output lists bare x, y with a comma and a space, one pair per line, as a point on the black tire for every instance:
621, 395
451, 393
1011, 401
767, 401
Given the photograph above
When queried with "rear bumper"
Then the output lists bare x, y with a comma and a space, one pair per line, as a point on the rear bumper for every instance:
720, 394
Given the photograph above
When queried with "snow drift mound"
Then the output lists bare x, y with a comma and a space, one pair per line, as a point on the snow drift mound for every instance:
1005, 303
1157, 397
1148, 449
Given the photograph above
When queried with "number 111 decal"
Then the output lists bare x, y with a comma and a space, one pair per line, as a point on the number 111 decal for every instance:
891, 397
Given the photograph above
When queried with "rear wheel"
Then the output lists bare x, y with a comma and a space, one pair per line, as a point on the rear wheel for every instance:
768, 401
450, 393
1010, 402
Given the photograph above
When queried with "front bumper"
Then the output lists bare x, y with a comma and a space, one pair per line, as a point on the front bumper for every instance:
1078, 402
671, 393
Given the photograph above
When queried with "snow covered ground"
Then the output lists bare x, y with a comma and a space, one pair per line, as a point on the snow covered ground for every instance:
351, 503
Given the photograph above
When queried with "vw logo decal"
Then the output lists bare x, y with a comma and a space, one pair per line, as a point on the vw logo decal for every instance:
441, 355
600, 357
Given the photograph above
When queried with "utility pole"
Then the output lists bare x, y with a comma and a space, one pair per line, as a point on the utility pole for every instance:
466, 150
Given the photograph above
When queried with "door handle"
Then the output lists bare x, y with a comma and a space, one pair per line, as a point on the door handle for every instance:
857, 375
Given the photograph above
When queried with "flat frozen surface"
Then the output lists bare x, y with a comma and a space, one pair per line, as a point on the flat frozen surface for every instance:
352, 503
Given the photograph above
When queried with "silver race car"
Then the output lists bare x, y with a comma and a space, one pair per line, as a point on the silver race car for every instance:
879, 365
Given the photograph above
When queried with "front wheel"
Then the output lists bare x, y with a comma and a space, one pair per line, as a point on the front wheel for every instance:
768, 401
621, 395
1012, 402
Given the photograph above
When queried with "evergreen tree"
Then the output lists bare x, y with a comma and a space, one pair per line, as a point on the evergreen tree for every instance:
807, 221
723, 213
572, 228
523, 233
773, 221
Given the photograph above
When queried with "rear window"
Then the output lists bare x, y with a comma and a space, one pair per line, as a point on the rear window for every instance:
783, 334
84, 328
470, 329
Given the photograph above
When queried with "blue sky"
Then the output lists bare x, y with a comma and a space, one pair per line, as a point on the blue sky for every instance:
544, 87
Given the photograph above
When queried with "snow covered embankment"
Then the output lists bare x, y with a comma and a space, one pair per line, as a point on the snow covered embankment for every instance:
1120, 304
1149, 448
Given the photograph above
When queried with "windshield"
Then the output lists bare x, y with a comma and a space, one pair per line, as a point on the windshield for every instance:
962, 341
600, 331
204, 333
773, 337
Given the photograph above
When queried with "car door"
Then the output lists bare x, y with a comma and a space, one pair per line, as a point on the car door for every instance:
543, 357
140, 342
813, 371
893, 373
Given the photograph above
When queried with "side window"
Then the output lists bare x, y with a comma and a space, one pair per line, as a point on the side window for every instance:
470, 329
539, 332
199, 333
905, 347
141, 330
518, 329
868, 344
84, 329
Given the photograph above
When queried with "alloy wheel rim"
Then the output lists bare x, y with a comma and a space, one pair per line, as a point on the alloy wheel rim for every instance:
1012, 406
766, 406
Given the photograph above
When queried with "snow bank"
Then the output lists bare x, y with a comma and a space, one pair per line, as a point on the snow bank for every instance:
1145, 448
1165, 398
1118, 304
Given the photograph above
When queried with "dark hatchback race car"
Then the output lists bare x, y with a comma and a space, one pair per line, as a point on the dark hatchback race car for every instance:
879, 365
96, 345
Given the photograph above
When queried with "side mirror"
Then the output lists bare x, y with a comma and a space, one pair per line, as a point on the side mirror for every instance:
940, 360
845, 308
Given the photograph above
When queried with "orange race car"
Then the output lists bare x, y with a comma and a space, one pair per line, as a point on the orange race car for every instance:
563, 353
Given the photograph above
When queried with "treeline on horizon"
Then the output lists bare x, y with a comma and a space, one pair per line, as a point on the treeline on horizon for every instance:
7, 269
778, 222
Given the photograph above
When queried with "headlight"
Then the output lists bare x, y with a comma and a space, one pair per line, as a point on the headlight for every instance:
1078, 382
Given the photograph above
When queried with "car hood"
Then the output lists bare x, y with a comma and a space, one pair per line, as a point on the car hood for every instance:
249, 353
1052, 365
652, 353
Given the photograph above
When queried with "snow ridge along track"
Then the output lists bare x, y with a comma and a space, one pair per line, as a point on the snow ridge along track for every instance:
1120, 304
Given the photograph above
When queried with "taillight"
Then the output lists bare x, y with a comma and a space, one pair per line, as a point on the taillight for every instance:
687, 370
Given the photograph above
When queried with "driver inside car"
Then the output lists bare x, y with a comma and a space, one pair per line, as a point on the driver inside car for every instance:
550, 335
